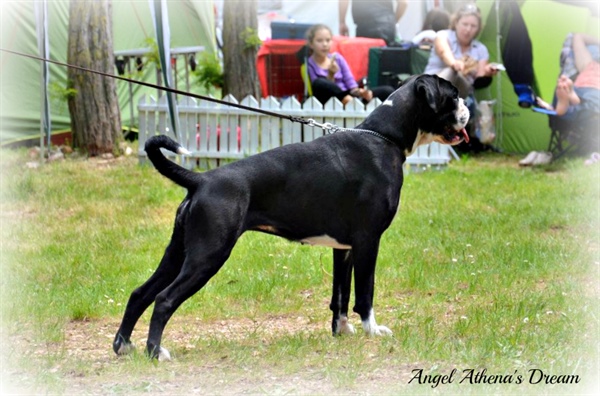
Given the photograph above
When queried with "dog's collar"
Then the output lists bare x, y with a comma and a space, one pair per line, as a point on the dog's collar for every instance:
330, 128
379, 135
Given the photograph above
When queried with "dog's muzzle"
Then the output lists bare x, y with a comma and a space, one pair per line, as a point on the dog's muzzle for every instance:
457, 133
453, 137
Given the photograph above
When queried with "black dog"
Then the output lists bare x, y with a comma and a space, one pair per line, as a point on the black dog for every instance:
341, 191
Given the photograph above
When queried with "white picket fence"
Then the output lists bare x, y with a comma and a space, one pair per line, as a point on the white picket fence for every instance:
217, 134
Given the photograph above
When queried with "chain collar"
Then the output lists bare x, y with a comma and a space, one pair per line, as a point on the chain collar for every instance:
330, 128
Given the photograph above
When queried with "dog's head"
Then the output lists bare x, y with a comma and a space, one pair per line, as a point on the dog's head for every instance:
424, 109
448, 114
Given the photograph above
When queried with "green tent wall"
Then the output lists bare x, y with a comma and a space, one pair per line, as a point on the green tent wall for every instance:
548, 23
191, 24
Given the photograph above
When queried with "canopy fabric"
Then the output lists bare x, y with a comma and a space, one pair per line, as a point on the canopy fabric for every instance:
191, 25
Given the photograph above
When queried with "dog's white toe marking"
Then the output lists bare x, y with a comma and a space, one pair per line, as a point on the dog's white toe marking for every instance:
344, 327
371, 327
381, 331
163, 355
126, 348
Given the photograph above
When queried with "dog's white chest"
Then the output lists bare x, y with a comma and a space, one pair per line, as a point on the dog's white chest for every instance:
325, 240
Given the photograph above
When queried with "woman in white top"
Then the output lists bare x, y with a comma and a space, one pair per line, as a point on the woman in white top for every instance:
457, 56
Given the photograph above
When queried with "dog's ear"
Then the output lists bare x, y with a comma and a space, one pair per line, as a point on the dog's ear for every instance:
428, 87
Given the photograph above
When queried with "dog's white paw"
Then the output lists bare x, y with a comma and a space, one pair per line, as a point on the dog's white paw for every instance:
371, 327
379, 331
163, 355
344, 327
126, 348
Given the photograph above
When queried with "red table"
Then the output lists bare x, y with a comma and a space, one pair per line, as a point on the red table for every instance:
279, 67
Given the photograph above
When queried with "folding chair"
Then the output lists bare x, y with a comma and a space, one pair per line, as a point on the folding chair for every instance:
306, 79
577, 136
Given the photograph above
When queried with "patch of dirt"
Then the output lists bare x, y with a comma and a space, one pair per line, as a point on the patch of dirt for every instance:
85, 364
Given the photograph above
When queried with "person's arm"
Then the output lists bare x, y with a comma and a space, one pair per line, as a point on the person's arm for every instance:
347, 76
312, 70
401, 9
443, 50
484, 68
333, 67
587, 39
350, 83
581, 54
342, 10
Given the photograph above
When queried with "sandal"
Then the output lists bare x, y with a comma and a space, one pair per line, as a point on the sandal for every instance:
543, 107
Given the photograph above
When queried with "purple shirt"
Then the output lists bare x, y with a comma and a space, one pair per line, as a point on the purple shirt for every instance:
343, 78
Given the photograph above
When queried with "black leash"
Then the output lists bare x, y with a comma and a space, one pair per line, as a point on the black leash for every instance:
327, 127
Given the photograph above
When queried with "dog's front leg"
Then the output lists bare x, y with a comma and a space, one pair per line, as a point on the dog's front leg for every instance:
364, 261
342, 281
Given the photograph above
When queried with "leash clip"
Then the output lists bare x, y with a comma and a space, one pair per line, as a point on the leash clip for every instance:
326, 126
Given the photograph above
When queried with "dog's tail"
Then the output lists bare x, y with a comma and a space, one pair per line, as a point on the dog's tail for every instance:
178, 174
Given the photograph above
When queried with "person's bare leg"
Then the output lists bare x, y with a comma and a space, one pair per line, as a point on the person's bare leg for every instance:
562, 97
573, 98
367, 95
565, 95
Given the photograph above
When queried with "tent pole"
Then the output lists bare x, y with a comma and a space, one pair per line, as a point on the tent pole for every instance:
499, 123
158, 8
41, 13
130, 88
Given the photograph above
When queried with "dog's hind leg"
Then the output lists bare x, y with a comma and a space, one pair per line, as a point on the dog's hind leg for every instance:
364, 259
143, 296
199, 266
342, 281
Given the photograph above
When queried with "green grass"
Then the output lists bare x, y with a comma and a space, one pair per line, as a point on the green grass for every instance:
486, 266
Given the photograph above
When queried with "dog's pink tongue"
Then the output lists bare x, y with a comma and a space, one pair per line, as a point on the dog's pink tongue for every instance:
465, 134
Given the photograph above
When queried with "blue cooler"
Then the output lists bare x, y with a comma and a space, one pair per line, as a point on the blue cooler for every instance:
289, 30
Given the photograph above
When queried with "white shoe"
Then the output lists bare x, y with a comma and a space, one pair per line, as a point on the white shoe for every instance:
543, 158
529, 159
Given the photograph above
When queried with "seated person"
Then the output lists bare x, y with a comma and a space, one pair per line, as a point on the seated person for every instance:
577, 90
330, 74
458, 57
436, 19
582, 93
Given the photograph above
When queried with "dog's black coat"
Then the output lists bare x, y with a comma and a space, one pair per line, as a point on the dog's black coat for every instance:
345, 186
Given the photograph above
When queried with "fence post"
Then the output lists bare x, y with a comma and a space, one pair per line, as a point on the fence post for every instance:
269, 134
291, 132
313, 109
249, 124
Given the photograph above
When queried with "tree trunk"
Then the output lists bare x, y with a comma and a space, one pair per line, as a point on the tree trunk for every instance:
94, 108
240, 32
